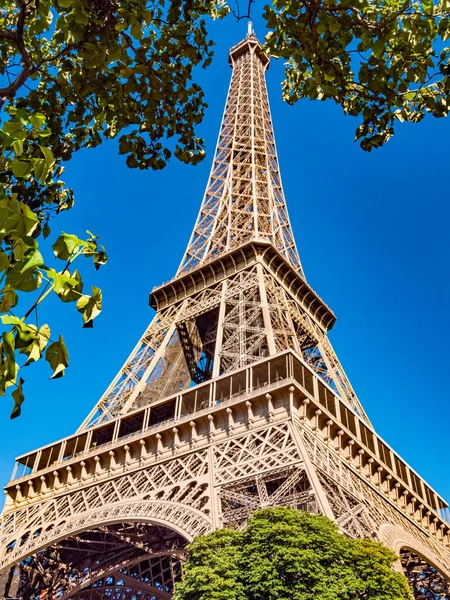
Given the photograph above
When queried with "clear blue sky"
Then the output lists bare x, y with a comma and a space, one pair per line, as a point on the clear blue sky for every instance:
373, 235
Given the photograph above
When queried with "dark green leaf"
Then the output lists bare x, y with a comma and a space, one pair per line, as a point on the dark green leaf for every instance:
21, 168
4, 261
90, 306
57, 357
37, 120
18, 399
66, 245
10, 360
8, 299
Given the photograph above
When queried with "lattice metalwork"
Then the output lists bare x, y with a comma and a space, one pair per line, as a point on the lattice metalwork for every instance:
426, 582
363, 510
220, 329
248, 315
244, 197
283, 487
136, 371
293, 328
178, 487
244, 334
134, 556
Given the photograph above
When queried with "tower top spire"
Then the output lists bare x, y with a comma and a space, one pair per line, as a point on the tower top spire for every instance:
249, 45
244, 200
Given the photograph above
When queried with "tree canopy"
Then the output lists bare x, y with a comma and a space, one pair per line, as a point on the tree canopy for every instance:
74, 73
285, 554
383, 61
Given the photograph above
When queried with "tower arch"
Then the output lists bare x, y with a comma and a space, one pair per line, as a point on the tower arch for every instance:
402, 542
184, 520
425, 579
134, 548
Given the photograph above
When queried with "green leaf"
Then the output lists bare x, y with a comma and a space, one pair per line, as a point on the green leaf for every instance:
43, 336
9, 299
100, 258
10, 360
35, 260
18, 399
29, 281
66, 286
37, 120
22, 246
10, 320
90, 306
136, 31
57, 357
126, 72
34, 350
25, 334
28, 220
4, 261
18, 147
334, 26
40, 170
21, 168
12, 128
66, 245
17, 217
428, 7
49, 158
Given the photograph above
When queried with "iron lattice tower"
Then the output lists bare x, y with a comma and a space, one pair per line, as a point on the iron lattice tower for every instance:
232, 400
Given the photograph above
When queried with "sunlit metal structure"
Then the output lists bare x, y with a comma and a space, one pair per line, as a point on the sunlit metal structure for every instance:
232, 400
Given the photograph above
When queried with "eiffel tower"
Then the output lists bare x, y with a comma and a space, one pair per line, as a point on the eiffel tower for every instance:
232, 400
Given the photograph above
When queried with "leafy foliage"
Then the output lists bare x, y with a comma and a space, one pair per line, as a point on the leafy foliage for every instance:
284, 554
383, 60
23, 270
74, 73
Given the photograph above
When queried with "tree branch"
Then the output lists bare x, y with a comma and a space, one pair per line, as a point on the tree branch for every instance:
17, 38
237, 13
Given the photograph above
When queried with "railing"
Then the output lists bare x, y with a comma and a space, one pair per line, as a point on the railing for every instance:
215, 392
257, 378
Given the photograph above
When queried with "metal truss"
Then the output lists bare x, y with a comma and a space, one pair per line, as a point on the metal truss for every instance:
66, 547
130, 556
129, 530
293, 328
426, 582
282, 487
136, 370
222, 328
232, 400
363, 511
123, 591
117, 498
244, 197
